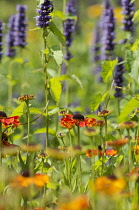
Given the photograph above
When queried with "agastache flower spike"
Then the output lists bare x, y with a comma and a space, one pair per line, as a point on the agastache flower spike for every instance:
1, 35
128, 11
69, 26
11, 52
44, 18
20, 26
118, 78
108, 32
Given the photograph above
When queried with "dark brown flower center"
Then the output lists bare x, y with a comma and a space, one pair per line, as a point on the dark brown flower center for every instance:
78, 117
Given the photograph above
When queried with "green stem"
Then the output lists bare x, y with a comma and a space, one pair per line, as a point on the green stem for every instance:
28, 121
79, 163
64, 6
118, 105
10, 86
109, 94
45, 34
0, 143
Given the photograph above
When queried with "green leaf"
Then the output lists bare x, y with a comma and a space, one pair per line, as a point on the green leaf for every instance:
57, 55
128, 108
59, 14
18, 60
75, 78
43, 130
135, 45
136, 15
64, 77
132, 60
19, 110
97, 99
55, 88
57, 33
107, 69
52, 185
34, 110
55, 110
96, 102
35, 29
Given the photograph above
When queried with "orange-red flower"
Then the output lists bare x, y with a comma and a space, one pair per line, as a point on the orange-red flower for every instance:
91, 152
67, 121
6, 121
70, 120
111, 152
117, 142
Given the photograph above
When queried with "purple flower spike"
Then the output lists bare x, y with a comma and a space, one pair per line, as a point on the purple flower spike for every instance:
1, 36
118, 78
108, 37
43, 20
20, 26
69, 26
128, 11
10, 38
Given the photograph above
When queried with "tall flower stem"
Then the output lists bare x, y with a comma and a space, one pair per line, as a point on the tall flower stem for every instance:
45, 34
28, 121
0, 143
79, 169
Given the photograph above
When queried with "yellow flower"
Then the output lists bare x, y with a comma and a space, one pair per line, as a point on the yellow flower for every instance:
57, 154
31, 147
109, 185
136, 149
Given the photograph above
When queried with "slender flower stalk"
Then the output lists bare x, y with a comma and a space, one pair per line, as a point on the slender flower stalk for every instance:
11, 52
20, 28
43, 21
1, 36
0, 143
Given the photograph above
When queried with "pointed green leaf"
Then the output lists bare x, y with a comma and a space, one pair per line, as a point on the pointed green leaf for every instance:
74, 77
64, 77
96, 102
59, 14
34, 110
57, 33
129, 107
108, 68
34, 29
55, 88
19, 110
55, 110
136, 15
57, 55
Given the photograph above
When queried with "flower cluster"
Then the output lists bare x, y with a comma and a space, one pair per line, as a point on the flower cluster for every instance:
109, 185
43, 20
20, 26
26, 98
108, 31
128, 11
9, 149
6, 121
1, 35
79, 203
25, 180
10, 38
69, 26
70, 120
118, 78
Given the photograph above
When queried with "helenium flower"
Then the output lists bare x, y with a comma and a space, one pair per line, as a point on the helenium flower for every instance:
44, 18
10, 38
20, 26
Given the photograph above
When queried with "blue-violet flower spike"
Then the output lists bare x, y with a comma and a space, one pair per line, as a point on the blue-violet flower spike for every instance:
44, 18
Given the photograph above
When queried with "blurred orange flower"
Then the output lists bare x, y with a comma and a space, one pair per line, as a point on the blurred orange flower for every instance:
21, 181
79, 203
109, 185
